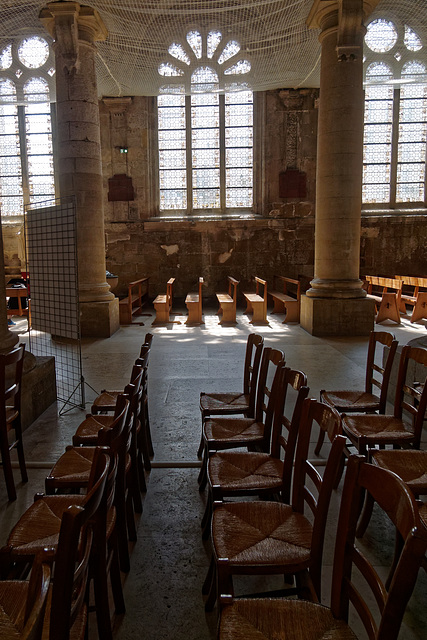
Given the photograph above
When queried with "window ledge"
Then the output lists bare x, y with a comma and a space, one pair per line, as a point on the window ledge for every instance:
394, 212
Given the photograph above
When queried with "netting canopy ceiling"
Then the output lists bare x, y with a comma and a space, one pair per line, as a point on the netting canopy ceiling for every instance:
271, 45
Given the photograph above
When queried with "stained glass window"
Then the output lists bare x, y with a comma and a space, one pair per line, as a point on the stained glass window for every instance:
205, 131
395, 131
26, 149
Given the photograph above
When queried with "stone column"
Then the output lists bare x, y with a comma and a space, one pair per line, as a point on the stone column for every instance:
336, 304
75, 28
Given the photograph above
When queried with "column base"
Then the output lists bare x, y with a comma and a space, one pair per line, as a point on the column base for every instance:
38, 389
99, 319
337, 316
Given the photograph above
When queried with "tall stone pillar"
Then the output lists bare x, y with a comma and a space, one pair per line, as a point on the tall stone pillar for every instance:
75, 28
336, 304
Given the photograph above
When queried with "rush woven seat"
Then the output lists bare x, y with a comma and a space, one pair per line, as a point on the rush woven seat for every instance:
274, 538
377, 375
241, 473
270, 619
229, 432
234, 403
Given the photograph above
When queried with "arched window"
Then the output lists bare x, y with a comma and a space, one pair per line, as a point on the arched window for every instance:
205, 127
395, 133
26, 153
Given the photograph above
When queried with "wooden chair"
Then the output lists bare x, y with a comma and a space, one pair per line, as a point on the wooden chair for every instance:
128, 492
11, 365
221, 433
66, 523
366, 430
267, 538
246, 473
283, 618
377, 375
193, 302
409, 464
232, 403
23, 602
71, 473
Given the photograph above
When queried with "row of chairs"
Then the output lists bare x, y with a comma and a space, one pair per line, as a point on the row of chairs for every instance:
269, 537
103, 462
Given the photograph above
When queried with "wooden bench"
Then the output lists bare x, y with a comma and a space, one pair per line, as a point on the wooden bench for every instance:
387, 293
227, 302
19, 293
193, 302
414, 294
256, 304
134, 301
288, 300
163, 303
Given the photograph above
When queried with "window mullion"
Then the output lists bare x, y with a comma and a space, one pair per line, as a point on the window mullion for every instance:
24, 155
189, 155
222, 171
394, 148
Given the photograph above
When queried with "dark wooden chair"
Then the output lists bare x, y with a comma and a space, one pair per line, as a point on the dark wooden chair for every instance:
228, 432
268, 538
23, 602
282, 618
11, 365
246, 473
65, 523
377, 375
366, 430
234, 403
409, 464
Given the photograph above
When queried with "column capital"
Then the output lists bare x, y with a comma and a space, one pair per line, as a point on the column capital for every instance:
68, 23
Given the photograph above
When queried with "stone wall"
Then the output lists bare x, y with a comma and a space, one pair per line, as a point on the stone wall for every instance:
278, 239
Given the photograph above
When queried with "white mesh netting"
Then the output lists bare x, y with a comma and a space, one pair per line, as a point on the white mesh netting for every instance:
273, 36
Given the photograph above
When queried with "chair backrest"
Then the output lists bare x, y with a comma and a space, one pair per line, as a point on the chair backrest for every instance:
377, 372
37, 595
11, 366
267, 381
73, 552
254, 347
351, 565
411, 396
285, 429
309, 488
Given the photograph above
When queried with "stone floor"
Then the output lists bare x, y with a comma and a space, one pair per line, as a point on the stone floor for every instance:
169, 560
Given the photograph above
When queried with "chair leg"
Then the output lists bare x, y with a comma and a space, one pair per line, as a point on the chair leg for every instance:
100, 588
20, 451
7, 467
203, 474
115, 578
130, 518
148, 432
206, 520
122, 530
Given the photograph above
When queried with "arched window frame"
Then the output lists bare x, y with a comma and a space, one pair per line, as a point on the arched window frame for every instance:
226, 186
391, 162
26, 129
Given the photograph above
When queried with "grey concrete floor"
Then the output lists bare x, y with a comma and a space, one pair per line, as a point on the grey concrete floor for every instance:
169, 560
